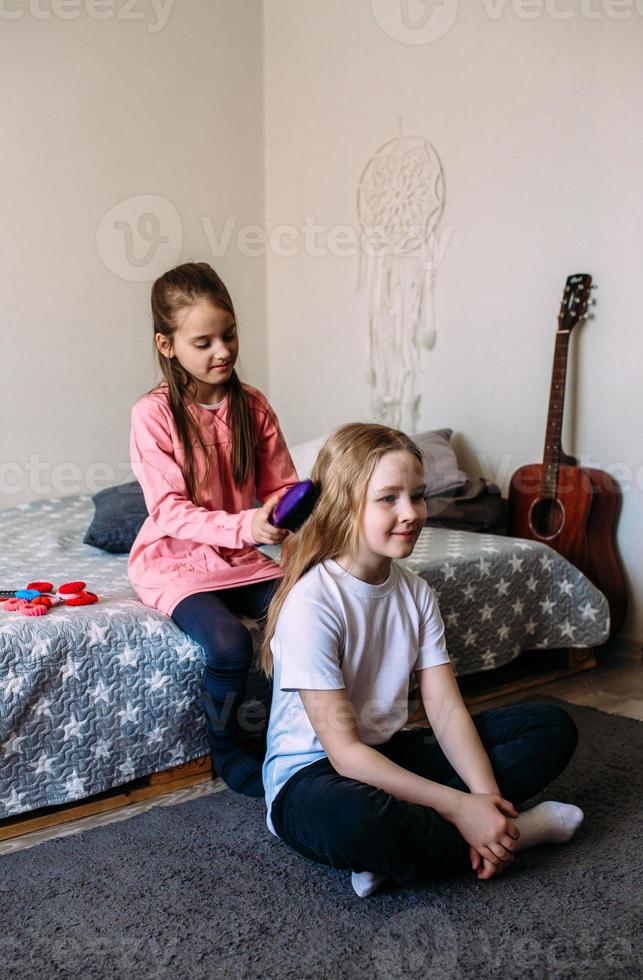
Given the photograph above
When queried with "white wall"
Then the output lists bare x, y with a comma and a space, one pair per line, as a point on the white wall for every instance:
97, 112
538, 126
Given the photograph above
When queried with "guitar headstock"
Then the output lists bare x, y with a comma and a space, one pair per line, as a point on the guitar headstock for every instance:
573, 307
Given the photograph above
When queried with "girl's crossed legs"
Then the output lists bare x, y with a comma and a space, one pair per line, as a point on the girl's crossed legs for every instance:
211, 619
348, 824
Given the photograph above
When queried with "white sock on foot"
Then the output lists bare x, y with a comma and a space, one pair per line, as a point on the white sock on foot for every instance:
366, 882
548, 823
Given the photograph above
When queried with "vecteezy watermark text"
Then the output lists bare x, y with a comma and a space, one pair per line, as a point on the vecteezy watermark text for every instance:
141, 236
43, 478
155, 12
564, 9
626, 477
425, 21
317, 240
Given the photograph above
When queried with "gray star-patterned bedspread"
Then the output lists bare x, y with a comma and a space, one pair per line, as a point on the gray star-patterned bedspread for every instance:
499, 596
94, 696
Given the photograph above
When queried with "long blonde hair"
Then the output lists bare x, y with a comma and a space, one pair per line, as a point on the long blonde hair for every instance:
342, 472
171, 293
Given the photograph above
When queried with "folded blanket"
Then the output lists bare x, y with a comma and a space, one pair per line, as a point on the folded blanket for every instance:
476, 506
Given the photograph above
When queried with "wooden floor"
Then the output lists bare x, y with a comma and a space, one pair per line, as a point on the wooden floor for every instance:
611, 680
615, 685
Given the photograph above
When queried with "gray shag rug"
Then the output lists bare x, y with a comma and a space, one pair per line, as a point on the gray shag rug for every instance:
202, 889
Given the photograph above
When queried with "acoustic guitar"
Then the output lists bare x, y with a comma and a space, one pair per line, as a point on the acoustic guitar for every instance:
571, 508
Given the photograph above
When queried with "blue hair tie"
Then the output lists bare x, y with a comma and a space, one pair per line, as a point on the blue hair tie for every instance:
28, 594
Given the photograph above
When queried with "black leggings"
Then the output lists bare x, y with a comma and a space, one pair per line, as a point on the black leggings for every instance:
212, 620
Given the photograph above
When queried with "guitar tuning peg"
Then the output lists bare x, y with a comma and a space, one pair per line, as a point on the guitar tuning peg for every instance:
593, 286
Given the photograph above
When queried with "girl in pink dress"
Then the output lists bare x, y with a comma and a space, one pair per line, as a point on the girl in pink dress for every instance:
212, 461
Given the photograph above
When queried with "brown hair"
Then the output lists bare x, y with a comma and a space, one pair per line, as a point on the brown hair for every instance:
172, 292
341, 472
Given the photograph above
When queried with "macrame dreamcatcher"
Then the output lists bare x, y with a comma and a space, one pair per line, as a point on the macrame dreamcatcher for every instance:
400, 200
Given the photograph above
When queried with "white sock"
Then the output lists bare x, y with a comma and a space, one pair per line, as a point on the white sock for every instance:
366, 882
548, 823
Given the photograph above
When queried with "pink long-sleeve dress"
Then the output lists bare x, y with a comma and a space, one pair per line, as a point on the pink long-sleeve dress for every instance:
181, 548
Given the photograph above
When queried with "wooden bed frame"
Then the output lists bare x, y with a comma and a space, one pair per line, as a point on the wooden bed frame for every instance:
532, 668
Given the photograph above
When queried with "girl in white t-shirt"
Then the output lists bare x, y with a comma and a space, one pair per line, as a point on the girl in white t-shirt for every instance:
345, 783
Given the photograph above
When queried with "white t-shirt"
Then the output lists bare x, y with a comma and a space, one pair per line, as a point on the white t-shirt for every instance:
336, 631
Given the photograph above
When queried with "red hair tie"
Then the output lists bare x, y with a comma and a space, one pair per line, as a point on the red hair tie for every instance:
38, 598
74, 594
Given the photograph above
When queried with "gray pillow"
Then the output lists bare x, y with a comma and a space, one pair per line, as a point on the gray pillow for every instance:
441, 472
119, 515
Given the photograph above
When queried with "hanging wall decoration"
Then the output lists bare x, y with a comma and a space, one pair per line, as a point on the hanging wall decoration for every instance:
400, 200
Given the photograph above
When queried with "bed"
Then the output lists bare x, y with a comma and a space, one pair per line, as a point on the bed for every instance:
93, 697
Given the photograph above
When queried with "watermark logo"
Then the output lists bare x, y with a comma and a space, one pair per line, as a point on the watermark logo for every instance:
155, 13
140, 237
415, 21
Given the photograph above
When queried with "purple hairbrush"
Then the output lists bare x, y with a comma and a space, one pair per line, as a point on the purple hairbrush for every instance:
295, 506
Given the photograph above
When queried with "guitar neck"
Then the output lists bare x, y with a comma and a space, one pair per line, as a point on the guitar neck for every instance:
553, 436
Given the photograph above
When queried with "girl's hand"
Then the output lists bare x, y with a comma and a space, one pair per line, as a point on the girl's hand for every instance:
262, 530
481, 820
485, 869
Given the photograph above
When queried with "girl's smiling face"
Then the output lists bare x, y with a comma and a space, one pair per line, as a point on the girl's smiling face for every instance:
393, 515
206, 345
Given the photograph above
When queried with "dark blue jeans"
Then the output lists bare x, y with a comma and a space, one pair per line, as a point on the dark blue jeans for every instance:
348, 824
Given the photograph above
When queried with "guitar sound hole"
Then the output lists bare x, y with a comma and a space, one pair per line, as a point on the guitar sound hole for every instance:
546, 518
